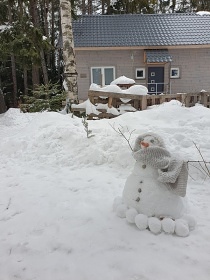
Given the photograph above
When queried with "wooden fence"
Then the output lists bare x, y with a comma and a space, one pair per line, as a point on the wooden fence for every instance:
140, 102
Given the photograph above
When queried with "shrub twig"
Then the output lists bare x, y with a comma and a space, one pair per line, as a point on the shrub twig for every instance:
204, 169
121, 133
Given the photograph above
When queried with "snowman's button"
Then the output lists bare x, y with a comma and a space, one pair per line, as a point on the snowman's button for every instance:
144, 166
138, 199
141, 182
139, 190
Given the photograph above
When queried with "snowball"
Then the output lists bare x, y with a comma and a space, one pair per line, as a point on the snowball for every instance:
131, 214
168, 225
121, 209
117, 202
154, 225
190, 221
141, 221
181, 228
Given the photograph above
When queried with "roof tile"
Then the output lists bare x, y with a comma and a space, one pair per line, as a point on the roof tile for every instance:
141, 30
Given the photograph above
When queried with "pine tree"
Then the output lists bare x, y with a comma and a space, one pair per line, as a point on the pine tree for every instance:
45, 97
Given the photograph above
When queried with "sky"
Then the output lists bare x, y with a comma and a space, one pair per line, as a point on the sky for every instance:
57, 190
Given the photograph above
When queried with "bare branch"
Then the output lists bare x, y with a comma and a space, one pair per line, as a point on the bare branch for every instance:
203, 172
206, 170
121, 133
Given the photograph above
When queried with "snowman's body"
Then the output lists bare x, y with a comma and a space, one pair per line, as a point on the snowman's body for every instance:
154, 195
143, 192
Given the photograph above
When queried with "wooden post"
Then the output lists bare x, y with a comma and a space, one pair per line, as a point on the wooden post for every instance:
144, 102
162, 99
136, 104
110, 102
91, 99
204, 99
187, 100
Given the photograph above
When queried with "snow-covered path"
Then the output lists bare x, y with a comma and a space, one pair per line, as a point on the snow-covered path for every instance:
56, 193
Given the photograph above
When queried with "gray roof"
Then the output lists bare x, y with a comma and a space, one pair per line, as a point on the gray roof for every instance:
141, 30
153, 56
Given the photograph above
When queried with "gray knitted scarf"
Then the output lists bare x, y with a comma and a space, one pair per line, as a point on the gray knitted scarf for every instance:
172, 172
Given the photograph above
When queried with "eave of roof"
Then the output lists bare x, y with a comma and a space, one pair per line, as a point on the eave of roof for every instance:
141, 47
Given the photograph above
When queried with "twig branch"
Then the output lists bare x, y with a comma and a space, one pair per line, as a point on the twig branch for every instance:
8, 205
204, 173
198, 161
206, 170
121, 133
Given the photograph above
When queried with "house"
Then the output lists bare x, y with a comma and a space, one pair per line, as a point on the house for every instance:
168, 53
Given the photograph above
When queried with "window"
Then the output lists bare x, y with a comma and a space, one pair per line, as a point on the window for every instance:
102, 75
140, 73
175, 73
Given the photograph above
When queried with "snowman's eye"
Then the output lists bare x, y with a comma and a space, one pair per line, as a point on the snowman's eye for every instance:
152, 141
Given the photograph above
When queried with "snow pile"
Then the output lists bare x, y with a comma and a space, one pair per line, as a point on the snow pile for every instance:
126, 108
134, 90
109, 88
57, 189
88, 106
202, 13
137, 90
122, 80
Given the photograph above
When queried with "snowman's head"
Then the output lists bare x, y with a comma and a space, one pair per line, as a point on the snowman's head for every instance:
148, 140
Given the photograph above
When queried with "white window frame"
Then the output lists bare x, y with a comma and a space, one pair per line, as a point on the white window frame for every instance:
176, 76
102, 73
140, 69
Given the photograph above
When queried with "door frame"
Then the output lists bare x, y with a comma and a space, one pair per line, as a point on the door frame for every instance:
158, 81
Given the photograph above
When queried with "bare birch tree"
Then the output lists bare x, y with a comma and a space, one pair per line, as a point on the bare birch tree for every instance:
70, 73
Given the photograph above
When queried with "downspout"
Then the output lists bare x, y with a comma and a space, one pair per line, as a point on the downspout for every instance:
169, 80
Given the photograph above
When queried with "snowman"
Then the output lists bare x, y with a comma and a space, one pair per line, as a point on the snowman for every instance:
154, 195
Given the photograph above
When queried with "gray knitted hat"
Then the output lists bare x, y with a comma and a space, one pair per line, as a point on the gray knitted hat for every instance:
159, 140
172, 172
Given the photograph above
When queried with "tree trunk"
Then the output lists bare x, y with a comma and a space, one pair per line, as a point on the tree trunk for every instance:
83, 7
90, 7
70, 74
14, 76
3, 107
25, 78
35, 19
44, 67
35, 76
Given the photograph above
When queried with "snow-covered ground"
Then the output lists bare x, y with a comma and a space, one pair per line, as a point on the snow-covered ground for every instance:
57, 189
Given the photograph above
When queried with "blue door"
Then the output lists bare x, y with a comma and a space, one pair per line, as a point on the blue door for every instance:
155, 80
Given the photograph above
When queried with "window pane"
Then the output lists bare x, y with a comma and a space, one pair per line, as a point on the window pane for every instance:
109, 75
139, 73
96, 75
